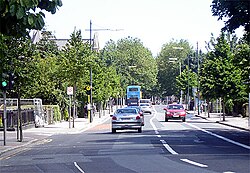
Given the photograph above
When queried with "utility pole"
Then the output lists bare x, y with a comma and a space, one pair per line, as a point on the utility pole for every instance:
99, 29
90, 101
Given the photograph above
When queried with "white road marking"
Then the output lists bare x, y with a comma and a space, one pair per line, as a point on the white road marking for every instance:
78, 167
159, 136
153, 125
221, 137
194, 163
168, 147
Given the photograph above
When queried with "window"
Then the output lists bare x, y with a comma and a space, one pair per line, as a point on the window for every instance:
133, 89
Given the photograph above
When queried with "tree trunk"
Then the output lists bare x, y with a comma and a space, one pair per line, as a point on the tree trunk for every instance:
223, 106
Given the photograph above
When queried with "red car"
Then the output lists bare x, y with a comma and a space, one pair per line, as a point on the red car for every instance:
175, 111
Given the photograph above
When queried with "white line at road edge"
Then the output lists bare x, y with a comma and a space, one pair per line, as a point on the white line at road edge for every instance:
194, 163
78, 167
162, 141
221, 137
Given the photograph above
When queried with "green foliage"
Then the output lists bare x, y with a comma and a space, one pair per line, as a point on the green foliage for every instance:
222, 72
66, 114
133, 63
236, 13
169, 70
18, 16
186, 80
56, 111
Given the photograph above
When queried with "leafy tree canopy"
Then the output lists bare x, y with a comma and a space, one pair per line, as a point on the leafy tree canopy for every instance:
236, 12
18, 16
172, 57
133, 62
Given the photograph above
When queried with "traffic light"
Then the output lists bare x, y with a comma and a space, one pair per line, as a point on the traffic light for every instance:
11, 80
88, 92
7, 81
4, 81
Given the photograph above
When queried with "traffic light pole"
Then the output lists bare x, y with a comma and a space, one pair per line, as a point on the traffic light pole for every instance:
4, 117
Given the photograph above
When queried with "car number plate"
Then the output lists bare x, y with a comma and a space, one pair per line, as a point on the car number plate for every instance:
125, 118
175, 115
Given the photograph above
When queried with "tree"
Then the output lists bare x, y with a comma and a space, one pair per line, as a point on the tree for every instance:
219, 76
133, 62
236, 12
186, 81
19, 16
169, 61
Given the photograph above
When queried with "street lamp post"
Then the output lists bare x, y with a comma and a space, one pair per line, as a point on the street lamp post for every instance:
175, 59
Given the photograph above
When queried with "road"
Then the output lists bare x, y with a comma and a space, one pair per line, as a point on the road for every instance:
195, 146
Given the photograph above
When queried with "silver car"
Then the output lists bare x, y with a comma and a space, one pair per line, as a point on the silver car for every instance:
146, 108
127, 118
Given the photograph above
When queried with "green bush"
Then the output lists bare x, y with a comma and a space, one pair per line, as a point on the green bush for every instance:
66, 114
56, 111
1, 123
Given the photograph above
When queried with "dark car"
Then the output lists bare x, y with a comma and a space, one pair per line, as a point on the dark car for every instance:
175, 111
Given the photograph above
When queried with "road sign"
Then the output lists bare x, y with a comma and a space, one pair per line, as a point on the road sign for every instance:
70, 90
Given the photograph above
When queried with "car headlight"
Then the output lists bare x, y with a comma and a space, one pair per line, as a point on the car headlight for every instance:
182, 113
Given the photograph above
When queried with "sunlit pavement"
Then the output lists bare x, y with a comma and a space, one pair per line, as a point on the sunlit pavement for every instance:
33, 135
237, 122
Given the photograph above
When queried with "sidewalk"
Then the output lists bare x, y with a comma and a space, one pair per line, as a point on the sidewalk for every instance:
237, 122
34, 135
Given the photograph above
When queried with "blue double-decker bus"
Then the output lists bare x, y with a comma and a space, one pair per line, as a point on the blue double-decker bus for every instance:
133, 95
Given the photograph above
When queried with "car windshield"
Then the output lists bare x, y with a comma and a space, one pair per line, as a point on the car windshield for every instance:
121, 111
175, 107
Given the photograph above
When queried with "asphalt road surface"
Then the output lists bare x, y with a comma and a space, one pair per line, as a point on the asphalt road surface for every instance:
194, 146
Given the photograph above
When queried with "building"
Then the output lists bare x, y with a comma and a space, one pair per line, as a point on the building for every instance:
37, 36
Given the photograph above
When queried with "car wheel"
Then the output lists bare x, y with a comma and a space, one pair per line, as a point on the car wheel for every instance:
183, 119
113, 130
139, 130
166, 119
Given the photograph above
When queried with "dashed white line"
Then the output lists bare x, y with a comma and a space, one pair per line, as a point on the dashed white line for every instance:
78, 167
194, 163
221, 137
168, 147
159, 136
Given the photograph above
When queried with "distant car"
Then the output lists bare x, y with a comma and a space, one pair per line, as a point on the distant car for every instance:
146, 107
127, 118
175, 111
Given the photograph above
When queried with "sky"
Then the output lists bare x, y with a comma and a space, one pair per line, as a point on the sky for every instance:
154, 22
